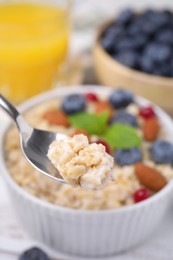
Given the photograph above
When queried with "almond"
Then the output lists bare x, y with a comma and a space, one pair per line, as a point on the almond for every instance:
79, 131
151, 129
102, 106
150, 177
56, 117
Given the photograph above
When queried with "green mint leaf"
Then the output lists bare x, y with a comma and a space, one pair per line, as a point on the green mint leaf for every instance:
122, 136
93, 124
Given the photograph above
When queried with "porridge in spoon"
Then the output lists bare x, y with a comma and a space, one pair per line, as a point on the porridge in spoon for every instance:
80, 163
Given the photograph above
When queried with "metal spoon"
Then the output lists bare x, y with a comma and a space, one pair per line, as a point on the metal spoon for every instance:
34, 142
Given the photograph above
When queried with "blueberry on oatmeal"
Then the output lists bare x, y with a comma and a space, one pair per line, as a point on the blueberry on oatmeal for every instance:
120, 98
127, 156
34, 253
162, 152
123, 117
73, 103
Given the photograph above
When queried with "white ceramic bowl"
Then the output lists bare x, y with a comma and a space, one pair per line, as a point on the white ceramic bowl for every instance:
87, 233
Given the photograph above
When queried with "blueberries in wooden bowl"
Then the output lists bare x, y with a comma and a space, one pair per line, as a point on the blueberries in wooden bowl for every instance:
142, 41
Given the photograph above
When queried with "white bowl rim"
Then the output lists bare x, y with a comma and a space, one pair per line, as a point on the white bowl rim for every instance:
52, 94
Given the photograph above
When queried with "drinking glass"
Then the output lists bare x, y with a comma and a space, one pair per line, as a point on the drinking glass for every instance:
34, 37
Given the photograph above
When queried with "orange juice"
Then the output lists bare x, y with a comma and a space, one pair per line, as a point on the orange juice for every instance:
33, 47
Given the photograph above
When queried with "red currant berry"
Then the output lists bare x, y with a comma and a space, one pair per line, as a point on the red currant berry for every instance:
91, 97
141, 194
147, 112
107, 147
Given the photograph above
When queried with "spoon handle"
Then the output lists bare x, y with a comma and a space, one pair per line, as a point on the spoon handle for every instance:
14, 114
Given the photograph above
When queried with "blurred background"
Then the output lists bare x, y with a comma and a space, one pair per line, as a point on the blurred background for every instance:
89, 15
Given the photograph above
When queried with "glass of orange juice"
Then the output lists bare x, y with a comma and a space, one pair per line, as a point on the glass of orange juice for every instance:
34, 38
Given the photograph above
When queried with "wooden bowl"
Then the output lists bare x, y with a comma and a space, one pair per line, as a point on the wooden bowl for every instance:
112, 73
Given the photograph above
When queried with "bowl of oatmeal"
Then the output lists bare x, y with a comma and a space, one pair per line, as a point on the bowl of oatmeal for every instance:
130, 206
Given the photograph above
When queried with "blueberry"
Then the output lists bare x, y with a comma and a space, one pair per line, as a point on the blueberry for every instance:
157, 71
140, 41
129, 42
171, 65
146, 64
125, 17
158, 52
163, 69
134, 29
33, 254
108, 44
73, 103
148, 27
165, 36
148, 14
120, 98
166, 69
162, 151
110, 36
125, 43
155, 20
168, 13
127, 156
128, 58
160, 19
114, 31
123, 117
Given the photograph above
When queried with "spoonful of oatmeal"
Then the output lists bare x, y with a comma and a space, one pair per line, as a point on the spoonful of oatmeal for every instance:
65, 159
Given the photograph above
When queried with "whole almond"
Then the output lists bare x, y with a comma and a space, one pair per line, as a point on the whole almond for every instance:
150, 177
56, 117
102, 106
151, 129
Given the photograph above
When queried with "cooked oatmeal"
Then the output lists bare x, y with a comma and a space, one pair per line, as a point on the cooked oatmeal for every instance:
117, 193
80, 163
